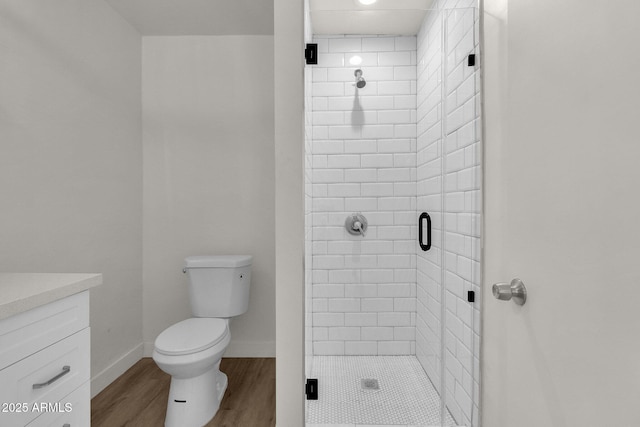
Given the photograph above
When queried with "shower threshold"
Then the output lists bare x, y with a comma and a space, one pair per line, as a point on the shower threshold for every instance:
373, 390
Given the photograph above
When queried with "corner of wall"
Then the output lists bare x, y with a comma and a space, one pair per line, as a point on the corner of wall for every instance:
109, 374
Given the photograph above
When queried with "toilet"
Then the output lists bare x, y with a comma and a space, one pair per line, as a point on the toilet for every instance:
190, 351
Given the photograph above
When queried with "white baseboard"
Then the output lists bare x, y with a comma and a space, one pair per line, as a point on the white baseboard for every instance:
108, 375
236, 349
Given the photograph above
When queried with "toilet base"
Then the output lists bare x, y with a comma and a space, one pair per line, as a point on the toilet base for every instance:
193, 402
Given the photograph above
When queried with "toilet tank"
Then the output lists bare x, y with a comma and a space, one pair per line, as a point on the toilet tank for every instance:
219, 285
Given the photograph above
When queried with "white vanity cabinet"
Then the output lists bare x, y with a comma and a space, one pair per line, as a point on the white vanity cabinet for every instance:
45, 364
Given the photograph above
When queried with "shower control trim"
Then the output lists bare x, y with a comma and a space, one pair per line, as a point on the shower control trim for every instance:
356, 224
511, 291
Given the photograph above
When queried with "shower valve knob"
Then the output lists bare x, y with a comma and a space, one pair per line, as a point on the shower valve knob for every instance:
356, 224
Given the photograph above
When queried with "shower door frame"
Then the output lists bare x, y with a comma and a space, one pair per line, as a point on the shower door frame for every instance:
476, 279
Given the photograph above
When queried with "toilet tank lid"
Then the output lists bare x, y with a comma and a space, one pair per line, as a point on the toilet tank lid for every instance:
218, 261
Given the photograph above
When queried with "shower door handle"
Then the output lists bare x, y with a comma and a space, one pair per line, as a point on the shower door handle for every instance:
426, 216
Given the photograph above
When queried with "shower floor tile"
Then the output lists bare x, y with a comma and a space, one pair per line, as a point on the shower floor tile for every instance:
406, 396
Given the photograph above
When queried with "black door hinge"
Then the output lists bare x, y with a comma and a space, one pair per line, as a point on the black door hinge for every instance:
311, 389
311, 53
471, 60
471, 296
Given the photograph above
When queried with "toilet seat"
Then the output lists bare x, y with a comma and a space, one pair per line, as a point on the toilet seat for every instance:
191, 336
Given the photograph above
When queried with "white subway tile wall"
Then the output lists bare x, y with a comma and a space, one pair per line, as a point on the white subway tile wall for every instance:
448, 163
364, 145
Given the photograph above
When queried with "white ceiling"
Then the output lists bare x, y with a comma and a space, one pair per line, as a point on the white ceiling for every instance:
255, 17
197, 17
402, 17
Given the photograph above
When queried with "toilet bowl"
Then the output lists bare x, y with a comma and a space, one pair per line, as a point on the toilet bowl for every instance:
190, 351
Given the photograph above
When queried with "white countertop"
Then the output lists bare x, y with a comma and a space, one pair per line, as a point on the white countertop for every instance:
23, 291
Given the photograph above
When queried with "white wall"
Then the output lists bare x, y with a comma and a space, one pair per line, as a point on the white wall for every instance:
562, 213
208, 175
71, 159
289, 219
364, 161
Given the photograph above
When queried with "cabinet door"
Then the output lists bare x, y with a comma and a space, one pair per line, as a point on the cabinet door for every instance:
74, 410
55, 371
25, 333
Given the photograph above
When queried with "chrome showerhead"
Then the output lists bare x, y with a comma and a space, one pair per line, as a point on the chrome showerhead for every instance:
360, 82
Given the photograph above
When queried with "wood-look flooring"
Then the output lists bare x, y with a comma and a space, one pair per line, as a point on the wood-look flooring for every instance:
139, 397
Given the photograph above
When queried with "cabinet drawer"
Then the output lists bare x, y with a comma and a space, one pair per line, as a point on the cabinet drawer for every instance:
45, 366
30, 331
76, 413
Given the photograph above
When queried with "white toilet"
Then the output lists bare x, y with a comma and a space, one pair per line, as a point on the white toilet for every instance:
190, 351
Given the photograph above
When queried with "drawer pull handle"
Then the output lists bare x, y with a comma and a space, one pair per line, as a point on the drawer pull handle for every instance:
65, 370
67, 425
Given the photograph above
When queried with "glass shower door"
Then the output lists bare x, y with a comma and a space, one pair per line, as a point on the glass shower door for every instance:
461, 210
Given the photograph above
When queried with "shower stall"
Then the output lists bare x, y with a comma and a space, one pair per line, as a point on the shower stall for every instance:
392, 221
